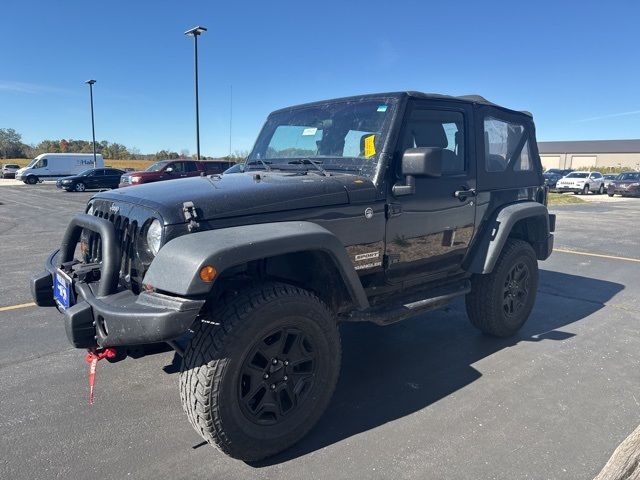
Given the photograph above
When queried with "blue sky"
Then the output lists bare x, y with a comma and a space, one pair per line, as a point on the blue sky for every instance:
575, 65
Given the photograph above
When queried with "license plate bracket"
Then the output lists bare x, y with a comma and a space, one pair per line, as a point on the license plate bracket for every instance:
63, 290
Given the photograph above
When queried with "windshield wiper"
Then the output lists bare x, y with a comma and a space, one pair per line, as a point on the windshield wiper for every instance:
259, 160
308, 161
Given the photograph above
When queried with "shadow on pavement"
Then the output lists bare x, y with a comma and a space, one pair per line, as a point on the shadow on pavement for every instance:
390, 372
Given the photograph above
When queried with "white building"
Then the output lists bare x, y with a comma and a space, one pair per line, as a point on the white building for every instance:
590, 153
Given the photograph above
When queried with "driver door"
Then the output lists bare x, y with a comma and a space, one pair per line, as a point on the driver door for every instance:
428, 232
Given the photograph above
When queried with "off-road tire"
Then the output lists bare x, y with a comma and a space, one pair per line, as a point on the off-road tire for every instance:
31, 180
80, 187
485, 302
212, 369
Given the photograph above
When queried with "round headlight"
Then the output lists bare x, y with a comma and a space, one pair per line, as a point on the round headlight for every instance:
154, 236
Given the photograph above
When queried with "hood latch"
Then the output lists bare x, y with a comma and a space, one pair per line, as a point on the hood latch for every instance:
190, 215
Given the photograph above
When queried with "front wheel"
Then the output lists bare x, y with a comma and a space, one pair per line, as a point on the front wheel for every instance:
585, 190
500, 302
601, 190
32, 180
80, 187
259, 373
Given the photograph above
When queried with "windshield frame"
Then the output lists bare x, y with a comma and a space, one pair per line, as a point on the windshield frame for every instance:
162, 163
577, 175
332, 164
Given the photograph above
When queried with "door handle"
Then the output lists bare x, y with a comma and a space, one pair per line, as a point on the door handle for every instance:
465, 193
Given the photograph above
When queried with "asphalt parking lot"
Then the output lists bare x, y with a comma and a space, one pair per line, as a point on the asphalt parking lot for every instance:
428, 398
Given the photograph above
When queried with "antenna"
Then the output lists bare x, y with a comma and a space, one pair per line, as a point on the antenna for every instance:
230, 116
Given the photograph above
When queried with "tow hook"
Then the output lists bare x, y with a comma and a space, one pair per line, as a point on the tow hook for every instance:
94, 355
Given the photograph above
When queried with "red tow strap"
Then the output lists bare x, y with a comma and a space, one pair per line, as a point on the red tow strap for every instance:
92, 358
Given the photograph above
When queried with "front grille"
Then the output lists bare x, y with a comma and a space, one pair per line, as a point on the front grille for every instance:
128, 232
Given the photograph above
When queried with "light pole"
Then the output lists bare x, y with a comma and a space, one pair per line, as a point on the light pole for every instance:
195, 32
93, 128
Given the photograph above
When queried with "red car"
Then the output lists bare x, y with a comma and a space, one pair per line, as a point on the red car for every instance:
626, 184
172, 169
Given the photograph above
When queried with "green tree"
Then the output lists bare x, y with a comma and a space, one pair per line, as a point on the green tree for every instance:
11, 145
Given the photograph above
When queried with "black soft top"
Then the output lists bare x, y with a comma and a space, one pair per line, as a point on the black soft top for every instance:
473, 99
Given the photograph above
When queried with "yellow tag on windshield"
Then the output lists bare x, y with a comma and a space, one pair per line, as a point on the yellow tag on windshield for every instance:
370, 146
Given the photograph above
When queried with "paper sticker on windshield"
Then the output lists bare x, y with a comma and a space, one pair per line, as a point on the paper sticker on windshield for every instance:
382, 108
309, 131
369, 146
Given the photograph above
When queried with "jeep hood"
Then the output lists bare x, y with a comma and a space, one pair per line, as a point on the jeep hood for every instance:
240, 194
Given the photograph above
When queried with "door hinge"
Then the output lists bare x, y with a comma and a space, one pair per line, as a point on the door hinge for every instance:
393, 210
390, 259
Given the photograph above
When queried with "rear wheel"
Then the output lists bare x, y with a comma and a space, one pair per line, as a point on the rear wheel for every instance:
500, 302
610, 194
32, 180
80, 187
259, 374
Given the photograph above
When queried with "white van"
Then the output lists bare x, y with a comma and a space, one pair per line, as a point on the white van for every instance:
51, 166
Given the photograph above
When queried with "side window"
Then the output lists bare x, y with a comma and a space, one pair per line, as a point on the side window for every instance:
190, 166
440, 129
523, 163
178, 167
41, 163
503, 145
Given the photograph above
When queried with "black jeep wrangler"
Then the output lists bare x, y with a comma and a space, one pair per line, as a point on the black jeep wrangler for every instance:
370, 208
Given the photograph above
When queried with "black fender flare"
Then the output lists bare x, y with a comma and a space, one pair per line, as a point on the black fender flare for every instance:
497, 229
176, 267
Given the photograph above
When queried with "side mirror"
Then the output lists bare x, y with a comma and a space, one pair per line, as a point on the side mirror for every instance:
168, 170
418, 162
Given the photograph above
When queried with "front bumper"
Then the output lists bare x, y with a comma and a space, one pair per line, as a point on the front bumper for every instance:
565, 188
626, 191
106, 315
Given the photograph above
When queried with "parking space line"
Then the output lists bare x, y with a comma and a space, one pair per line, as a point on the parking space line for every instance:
599, 255
16, 307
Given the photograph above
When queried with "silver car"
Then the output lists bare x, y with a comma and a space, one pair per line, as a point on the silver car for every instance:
9, 170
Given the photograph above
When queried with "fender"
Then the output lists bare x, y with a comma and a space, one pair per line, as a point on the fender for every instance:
176, 267
499, 227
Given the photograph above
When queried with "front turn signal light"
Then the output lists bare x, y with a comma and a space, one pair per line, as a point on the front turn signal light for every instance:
208, 273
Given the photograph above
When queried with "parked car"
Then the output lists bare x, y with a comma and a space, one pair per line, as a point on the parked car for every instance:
91, 179
373, 208
9, 170
608, 178
581, 182
173, 169
626, 184
559, 171
51, 166
237, 168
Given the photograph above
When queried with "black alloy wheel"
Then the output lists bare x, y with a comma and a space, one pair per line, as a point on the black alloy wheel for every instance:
276, 376
516, 289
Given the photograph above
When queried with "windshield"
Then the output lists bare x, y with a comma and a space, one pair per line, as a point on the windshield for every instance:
86, 173
554, 171
32, 162
629, 176
156, 167
339, 136
577, 175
